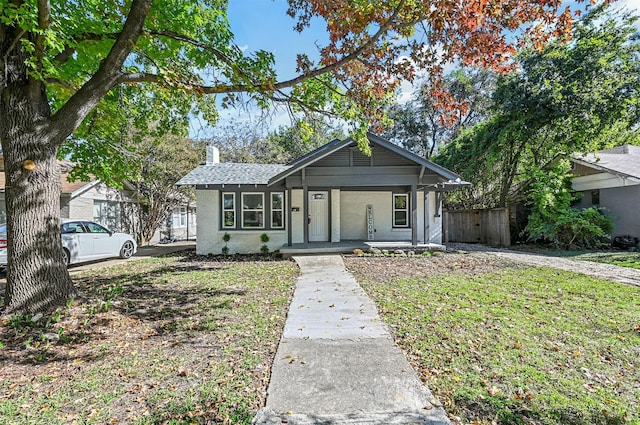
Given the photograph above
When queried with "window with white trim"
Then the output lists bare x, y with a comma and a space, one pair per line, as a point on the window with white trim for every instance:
107, 213
400, 210
277, 210
228, 210
253, 210
179, 217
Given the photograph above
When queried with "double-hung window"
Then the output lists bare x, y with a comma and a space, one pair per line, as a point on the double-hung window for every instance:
253, 210
400, 210
277, 210
228, 210
179, 217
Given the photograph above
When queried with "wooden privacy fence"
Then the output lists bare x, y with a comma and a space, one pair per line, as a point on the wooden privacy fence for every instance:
490, 227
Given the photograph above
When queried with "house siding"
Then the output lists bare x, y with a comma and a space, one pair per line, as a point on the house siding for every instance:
208, 222
297, 217
210, 235
624, 206
353, 222
335, 215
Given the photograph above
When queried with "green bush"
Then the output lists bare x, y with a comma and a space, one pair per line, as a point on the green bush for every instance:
571, 228
553, 220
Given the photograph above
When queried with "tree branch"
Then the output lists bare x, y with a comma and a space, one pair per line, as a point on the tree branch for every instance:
70, 116
44, 23
266, 87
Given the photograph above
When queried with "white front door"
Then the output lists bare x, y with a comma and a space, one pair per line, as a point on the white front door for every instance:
318, 216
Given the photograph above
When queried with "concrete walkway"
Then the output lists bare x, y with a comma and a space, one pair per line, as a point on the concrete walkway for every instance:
337, 363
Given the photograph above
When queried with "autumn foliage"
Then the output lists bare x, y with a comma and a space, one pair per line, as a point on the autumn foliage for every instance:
376, 44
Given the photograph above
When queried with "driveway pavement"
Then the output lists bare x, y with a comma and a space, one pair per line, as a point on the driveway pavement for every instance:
610, 272
337, 363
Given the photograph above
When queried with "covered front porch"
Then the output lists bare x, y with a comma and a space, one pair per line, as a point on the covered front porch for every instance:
312, 248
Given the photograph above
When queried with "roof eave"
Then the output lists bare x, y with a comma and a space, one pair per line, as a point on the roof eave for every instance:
310, 159
605, 169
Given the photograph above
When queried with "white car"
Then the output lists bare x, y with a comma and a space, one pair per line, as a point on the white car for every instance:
84, 241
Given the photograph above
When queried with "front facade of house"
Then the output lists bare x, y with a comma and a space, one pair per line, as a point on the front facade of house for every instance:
611, 179
334, 194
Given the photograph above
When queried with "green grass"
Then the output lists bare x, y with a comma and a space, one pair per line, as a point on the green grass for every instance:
175, 340
517, 345
623, 259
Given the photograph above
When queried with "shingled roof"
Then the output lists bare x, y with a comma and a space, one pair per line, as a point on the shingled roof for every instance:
232, 173
622, 160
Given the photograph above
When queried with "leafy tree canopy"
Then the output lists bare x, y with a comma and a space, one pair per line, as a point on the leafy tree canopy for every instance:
580, 96
422, 126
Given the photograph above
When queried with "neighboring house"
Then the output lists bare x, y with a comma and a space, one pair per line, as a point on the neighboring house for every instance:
611, 179
113, 208
332, 194
180, 225
93, 200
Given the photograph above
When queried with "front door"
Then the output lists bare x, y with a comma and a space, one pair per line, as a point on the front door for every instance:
318, 216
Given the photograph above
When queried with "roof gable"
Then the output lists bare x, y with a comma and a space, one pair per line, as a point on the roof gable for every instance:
315, 158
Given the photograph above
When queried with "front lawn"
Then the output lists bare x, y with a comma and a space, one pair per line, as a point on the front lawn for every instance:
175, 340
509, 344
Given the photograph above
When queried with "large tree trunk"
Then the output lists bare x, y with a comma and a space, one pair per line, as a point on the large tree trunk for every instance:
37, 278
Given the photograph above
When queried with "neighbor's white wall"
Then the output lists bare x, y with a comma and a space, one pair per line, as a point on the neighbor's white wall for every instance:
600, 181
81, 206
210, 235
622, 204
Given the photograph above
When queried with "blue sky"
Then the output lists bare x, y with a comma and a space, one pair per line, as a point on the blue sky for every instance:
265, 25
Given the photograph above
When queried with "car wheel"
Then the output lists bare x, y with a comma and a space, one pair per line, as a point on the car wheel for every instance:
66, 256
127, 250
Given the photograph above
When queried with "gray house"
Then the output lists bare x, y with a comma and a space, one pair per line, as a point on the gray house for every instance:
331, 195
611, 179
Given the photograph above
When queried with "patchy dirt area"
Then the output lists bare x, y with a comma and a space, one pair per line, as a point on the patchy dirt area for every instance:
388, 269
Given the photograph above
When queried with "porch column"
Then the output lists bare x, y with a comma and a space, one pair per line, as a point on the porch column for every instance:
427, 218
335, 215
305, 214
414, 214
288, 203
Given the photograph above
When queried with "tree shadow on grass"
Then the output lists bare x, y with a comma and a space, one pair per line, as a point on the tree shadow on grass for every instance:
148, 302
